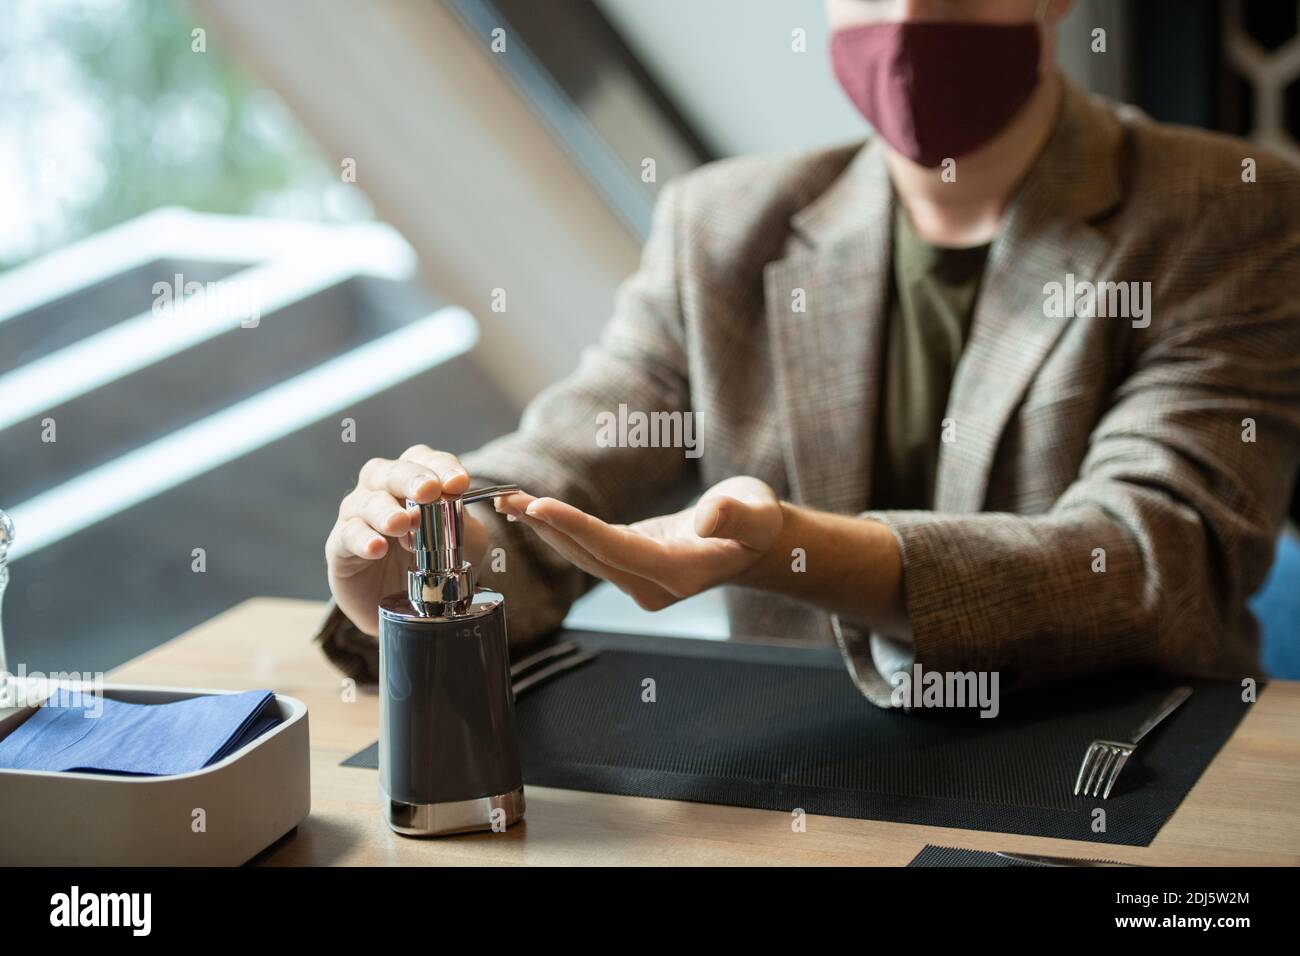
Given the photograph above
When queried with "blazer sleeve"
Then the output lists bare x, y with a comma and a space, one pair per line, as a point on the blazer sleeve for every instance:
638, 362
1183, 490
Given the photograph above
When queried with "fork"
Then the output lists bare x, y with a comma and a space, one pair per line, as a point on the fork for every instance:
1106, 758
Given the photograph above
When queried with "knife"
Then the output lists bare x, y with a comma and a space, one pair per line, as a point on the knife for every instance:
1057, 860
546, 663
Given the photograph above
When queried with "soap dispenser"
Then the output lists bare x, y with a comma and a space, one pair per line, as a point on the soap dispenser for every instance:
448, 754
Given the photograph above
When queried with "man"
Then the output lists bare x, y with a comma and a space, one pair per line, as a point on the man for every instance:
1014, 386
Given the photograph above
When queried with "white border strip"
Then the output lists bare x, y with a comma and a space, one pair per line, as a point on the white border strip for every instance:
175, 233
151, 337
244, 427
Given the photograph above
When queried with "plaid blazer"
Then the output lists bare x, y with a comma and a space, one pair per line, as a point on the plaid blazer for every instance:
1164, 447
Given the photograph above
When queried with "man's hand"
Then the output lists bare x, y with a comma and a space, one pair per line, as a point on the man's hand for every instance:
363, 565
738, 533
661, 560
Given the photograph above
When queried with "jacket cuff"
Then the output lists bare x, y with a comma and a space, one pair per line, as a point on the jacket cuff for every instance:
873, 659
354, 652
855, 647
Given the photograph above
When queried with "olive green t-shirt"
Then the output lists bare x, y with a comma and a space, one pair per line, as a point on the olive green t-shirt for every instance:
932, 301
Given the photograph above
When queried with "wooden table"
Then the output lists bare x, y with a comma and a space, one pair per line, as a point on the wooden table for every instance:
1245, 810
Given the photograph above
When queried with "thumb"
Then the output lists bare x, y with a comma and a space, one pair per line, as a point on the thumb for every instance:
722, 516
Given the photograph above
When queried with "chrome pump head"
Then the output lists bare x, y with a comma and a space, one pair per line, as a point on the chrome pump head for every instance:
442, 581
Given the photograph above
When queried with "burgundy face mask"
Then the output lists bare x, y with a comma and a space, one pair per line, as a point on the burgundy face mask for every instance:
936, 90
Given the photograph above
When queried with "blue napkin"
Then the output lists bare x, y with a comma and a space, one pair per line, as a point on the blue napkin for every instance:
151, 739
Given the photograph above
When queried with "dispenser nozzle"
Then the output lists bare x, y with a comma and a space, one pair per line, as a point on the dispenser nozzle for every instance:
442, 576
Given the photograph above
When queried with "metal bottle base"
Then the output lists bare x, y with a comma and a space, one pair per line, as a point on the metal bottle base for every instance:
442, 819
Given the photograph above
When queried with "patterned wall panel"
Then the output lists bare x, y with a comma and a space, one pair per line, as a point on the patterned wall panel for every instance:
1261, 47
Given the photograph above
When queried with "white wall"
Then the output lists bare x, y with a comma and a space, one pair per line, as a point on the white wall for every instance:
453, 156
729, 66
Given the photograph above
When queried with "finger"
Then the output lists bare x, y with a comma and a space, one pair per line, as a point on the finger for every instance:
616, 547
452, 475
513, 505
406, 479
350, 506
354, 538
570, 550
421, 474
385, 514
648, 594
376, 475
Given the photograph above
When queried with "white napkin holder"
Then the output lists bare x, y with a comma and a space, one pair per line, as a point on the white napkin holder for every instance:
222, 815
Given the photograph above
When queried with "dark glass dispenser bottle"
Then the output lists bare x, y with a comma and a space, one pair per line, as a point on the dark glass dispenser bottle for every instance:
448, 755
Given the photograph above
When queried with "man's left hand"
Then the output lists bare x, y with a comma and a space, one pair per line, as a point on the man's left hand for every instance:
662, 560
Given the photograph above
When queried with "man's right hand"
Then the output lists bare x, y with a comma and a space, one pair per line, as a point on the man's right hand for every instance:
369, 548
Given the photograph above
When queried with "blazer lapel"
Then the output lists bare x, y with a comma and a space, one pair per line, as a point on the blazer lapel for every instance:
1045, 238
826, 311
826, 359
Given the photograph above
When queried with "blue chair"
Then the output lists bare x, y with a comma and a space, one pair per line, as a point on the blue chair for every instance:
1277, 605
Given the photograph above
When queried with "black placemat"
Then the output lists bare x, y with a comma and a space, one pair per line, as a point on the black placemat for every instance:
782, 728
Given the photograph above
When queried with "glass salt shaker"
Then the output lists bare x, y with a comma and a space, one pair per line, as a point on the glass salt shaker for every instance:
6, 539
